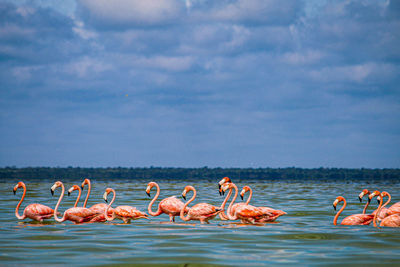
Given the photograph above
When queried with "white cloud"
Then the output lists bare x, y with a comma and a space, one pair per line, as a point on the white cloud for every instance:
86, 66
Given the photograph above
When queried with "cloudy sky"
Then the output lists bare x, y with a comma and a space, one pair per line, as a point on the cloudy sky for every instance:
245, 83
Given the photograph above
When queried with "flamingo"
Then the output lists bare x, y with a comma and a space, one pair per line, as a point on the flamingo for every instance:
355, 219
389, 221
125, 213
35, 211
201, 211
76, 214
99, 207
246, 213
274, 212
170, 205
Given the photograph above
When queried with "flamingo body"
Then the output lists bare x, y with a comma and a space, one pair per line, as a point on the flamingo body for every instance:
79, 215
203, 212
38, 212
394, 209
391, 221
358, 219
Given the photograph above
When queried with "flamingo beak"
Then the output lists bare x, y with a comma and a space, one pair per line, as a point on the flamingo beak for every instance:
334, 207
148, 194
360, 199
219, 187
184, 197
82, 187
14, 191
105, 197
52, 192
241, 197
69, 193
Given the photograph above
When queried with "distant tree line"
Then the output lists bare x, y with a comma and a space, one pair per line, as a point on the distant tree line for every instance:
196, 173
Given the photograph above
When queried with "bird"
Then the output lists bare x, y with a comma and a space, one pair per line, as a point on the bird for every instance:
389, 221
246, 213
202, 212
99, 207
76, 214
274, 212
355, 219
125, 213
35, 211
170, 205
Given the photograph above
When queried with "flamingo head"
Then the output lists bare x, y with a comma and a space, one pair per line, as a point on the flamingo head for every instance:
244, 190
380, 197
363, 193
55, 185
149, 187
337, 200
86, 181
73, 188
226, 186
223, 181
186, 190
373, 194
108, 190
20, 184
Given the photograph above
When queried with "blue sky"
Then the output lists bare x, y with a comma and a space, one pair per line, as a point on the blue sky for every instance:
245, 83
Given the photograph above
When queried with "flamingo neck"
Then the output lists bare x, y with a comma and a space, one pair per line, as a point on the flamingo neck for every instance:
79, 196
187, 218
88, 193
108, 207
19, 204
58, 204
250, 195
230, 215
340, 211
379, 210
386, 203
159, 211
222, 214
365, 207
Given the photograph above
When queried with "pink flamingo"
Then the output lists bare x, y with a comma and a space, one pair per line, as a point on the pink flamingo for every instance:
170, 205
355, 219
274, 212
37, 212
99, 207
76, 214
125, 213
246, 213
394, 209
389, 221
201, 211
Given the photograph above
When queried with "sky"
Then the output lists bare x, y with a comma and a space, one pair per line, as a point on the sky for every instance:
174, 83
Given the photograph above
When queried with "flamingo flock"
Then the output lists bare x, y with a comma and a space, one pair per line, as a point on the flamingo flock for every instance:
203, 212
388, 217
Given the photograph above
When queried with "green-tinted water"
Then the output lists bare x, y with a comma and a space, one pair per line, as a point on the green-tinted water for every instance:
305, 236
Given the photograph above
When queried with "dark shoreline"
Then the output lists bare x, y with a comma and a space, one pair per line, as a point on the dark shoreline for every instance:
199, 173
